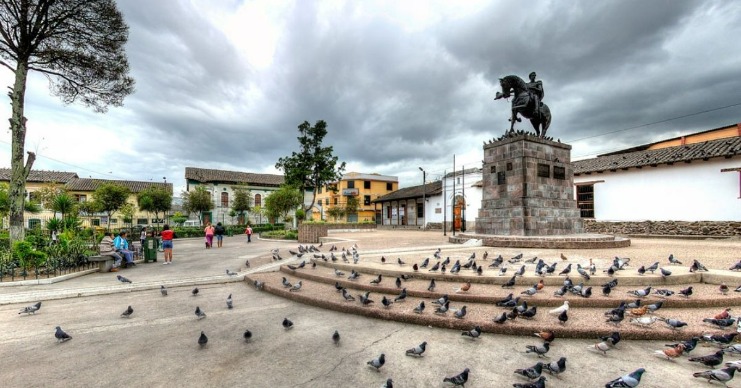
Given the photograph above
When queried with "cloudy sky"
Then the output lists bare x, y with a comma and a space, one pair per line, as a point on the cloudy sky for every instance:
402, 84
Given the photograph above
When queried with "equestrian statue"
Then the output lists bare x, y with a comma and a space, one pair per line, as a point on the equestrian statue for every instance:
528, 102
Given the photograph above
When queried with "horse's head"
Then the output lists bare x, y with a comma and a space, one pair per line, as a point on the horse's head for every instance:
506, 88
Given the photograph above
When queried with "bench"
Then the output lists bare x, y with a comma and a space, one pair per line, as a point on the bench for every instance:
105, 263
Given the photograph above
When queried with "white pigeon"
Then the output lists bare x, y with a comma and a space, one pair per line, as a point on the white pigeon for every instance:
644, 321
559, 310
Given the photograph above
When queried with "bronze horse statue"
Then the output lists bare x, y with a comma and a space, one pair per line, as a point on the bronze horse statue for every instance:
524, 104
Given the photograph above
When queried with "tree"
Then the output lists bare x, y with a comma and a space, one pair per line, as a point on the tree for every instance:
111, 197
47, 193
336, 212
127, 211
63, 203
31, 206
283, 201
178, 218
242, 199
313, 166
88, 209
155, 199
258, 211
79, 45
197, 201
351, 206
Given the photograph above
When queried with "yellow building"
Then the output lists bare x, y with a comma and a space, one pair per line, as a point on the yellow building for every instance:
82, 190
363, 187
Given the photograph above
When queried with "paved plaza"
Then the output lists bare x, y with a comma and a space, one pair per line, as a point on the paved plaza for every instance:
158, 346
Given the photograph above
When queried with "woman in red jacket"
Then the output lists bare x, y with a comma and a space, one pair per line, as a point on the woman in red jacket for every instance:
167, 235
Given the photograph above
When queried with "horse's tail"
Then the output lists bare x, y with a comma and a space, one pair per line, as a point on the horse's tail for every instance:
547, 116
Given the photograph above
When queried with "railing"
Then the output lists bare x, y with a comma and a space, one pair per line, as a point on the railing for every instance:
12, 271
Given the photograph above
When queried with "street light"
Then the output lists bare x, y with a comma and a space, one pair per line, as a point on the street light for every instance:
424, 195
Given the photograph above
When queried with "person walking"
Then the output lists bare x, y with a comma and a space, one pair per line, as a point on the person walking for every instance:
209, 235
248, 232
167, 235
143, 236
219, 232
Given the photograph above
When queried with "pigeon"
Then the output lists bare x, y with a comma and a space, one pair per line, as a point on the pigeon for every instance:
230, 273
561, 291
586, 292
736, 267
383, 260
671, 353
710, 360
338, 272
417, 350
566, 270
398, 283
415, 267
461, 313
689, 345
506, 302
386, 302
539, 383
463, 288
199, 313
672, 260
500, 319
442, 300
247, 336
733, 349
510, 282
582, 272
347, 295
286, 283
377, 280
336, 338
546, 335
720, 339
122, 279
295, 287
425, 263
431, 287
721, 323
563, 317
247, 263
32, 309
653, 267
563, 257
443, 308
127, 313
642, 270
531, 373
480, 270
378, 362
559, 310
644, 321
353, 275
687, 292
420, 308
723, 288
163, 290
521, 271
61, 335
612, 339
673, 323
721, 375
338, 287
725, 314
496, 262
459, 379
530, 291
616, 317
473, 333
696, 266
663, 292
653, 307
229, 301
641, 293
665, 272
402, 296
529, 313
195, 291
556, 367
258, 284
635, 304
202, 340
631, 380
405, 277
365, 300
287, 324
602, 347
401, 263
540, 350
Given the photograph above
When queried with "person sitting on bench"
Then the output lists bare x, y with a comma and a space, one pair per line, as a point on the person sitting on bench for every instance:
122, 248
107, 249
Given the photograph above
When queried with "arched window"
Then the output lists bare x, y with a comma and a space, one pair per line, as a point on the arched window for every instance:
224, 199
258, 200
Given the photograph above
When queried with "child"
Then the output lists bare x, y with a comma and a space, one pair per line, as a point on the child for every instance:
248, 232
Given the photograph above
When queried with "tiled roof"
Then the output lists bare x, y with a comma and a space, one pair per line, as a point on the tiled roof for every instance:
429, 189
41, 176
726, 147
204, 175
86, 184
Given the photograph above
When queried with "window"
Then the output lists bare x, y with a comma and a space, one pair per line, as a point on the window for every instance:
388, 212
96, 221
366, 200
585, 200
544, 170
114, 220
80, 197
421, 210
501, 178
326, 201
34, 223
34, 197
559, 172
350, 184
389, 186
367, 185
224, 199
335, 201
258, 200
352, 218
493, 169
141, 221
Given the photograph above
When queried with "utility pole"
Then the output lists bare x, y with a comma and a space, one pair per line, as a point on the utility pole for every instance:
424, 197
463, 194
445, 203
452, 224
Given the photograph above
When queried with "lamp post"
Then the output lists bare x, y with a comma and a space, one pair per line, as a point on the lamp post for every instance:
424, 196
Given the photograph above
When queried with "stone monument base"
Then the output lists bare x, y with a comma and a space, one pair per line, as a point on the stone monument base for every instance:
569, 241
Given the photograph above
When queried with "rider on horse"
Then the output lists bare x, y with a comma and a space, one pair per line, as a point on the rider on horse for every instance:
536, 88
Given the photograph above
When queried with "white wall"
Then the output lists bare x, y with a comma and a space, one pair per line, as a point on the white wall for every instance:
697, 191
472, 195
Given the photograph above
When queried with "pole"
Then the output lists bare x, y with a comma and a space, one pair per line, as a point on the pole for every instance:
452, 225
445, 203
424, 197
463, 190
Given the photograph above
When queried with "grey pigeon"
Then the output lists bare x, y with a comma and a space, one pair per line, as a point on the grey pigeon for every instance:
386, 302
230, 273
287, 324
388, 384
247, 336
229, 301
286, 283
247, 263
378, 362
337, 272
195, 291
32, 309
540, 350
61, 335
402, 296
461, 313
473, 333
347, 295
202, 340
431, 287
641, 293
127, 313
665, 272
721, 375
163, 290
336, 338
122, 279
420, 308
377, 280
556, 367
630, 380
459, 379
531, 373
295, 287
199, 313
258, 284
673, 323
653, 267
443, 309
539, 383
672, 260
417, 350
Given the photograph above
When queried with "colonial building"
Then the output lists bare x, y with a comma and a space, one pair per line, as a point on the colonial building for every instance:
222, 184
365, 188
695, 177
81, 190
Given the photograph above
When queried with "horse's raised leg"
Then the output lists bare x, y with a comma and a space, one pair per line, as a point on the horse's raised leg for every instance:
512, 120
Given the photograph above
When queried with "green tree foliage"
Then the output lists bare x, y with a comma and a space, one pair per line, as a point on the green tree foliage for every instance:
242, 199
155, 200
31, 206
313, 166
47, 193
178, 218
64, 204
282, 202
111, 197
336, 212
197, 201
127, 211
89, 208
79, 45
351, 206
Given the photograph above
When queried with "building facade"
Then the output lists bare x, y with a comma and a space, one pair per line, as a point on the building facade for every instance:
364, 188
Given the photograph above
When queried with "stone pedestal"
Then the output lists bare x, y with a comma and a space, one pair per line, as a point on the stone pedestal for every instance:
528, 189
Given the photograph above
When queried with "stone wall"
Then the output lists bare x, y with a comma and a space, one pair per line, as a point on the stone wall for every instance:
665, 228
310, 233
